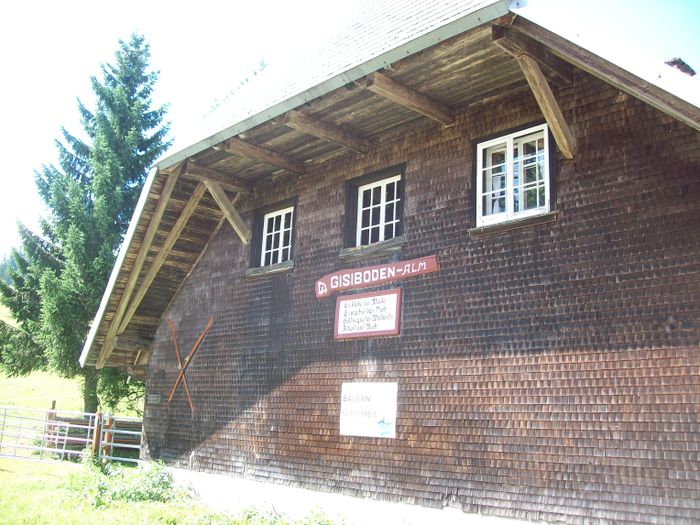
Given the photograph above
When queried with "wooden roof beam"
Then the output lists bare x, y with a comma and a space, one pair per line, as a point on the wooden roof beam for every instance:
387, 87
227, 181
163, 253
267, 156
656, 97
227, 208
322, 130
548, 105
517, 44
168, 188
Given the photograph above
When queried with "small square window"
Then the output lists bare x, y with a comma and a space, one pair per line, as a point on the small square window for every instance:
276, 240
512, 176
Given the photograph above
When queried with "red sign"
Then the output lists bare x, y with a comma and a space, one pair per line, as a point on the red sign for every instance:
368, 315
373, 275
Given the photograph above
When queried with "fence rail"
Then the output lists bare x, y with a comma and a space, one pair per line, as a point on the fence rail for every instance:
36, 434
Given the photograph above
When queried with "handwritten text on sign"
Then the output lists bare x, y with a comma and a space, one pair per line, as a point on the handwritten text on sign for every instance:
373, 275
368, 315
368, 409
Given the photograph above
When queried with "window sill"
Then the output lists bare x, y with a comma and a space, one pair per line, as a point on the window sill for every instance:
484, 232
358, 253
273, 269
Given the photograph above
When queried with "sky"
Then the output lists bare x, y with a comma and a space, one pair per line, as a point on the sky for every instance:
49, 50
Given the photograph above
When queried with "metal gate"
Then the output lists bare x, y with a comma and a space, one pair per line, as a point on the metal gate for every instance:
36, 434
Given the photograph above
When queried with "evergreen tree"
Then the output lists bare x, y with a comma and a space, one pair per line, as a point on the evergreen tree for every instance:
91, 194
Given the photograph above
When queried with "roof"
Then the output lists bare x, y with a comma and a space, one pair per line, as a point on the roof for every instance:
398, 66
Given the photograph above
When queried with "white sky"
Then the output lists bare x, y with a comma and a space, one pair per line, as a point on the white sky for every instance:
49, 50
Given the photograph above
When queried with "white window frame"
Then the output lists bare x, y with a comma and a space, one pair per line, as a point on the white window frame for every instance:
509, 214
382, 208
277, 252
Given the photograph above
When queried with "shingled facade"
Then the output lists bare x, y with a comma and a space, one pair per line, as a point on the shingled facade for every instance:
550, 368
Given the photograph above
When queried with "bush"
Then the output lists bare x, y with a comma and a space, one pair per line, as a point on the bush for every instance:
101, 484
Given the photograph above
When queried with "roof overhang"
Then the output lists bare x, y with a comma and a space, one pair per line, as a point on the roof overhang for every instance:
190, 194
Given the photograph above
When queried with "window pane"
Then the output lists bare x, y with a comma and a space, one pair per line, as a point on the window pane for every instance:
364, 238
516, 199
375, 216
389, 231
268, 258
276, 240
540, 196
366, 197
389, 212
268, 243
287, 238
531, 198
365, 218
375, 234
390, 191
376, 195
285, 255
278, 221
288, 220
270, 224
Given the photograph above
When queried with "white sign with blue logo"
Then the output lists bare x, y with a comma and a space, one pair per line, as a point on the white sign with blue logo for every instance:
368, 409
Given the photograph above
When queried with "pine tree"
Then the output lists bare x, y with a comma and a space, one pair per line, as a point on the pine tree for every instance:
91, 195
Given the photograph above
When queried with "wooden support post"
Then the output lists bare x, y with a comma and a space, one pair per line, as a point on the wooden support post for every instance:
614, 75
237, 223
393, 90
548, 104
517, 44
228, 181
267, 156
138, 265
163, 253
96, 433
108, 423
322, 130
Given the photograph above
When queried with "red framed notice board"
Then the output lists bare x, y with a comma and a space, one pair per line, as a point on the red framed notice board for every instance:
372, 314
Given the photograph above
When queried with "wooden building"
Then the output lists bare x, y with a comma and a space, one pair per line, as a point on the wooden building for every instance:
453, 262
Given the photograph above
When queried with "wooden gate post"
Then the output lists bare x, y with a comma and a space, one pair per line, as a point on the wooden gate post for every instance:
96, 434
108, 423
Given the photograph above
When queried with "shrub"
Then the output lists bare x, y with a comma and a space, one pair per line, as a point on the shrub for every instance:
101, 484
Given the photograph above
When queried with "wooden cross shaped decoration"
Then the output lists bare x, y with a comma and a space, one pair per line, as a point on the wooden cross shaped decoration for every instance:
182, 365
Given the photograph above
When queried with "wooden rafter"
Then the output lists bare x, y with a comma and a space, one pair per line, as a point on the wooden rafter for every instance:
228, 181
323, 130
548, 104
163, 254
387, 87
267, 156
656, 97
168, 188
232, 216
517, 44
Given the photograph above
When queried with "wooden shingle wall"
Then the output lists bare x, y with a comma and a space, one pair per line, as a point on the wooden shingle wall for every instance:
550, 372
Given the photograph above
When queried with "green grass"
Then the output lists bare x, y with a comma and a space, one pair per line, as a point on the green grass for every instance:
38, 389
38, 493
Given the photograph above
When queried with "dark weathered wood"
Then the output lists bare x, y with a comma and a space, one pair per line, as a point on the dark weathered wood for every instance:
162, 254
232, 216
389, 88
144, 246
227, 181
517, 44
616, 76
267, 156
323, 130
549, 106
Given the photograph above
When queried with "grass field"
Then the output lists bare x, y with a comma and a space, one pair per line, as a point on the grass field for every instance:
39, 389
38, 493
